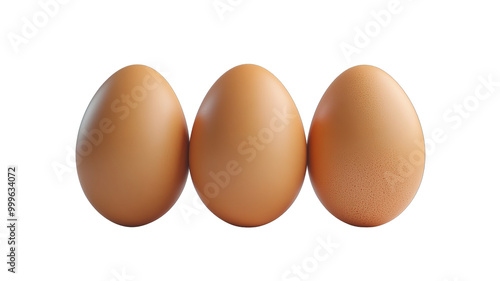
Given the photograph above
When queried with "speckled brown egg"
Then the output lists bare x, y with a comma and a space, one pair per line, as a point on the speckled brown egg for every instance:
366, 148
132, 147
248, 150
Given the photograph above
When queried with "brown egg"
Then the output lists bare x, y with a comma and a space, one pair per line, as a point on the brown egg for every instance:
132, 147
366, 155
248, 149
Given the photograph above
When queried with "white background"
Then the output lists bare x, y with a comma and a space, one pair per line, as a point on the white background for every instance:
436, 50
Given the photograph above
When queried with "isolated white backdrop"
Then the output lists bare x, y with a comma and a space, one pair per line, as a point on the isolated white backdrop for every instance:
436, 50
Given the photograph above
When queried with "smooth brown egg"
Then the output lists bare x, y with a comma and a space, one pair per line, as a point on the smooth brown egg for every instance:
132, 147
248, 150
366, 148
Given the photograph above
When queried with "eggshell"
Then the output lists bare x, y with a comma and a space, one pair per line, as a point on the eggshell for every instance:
248, 149
366, 148
132, 147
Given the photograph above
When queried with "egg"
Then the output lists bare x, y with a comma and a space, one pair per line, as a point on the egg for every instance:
366, 148
248, 150
132, 146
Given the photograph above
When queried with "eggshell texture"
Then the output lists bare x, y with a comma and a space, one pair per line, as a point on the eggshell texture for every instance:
366, 148
248, 151
132, 147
